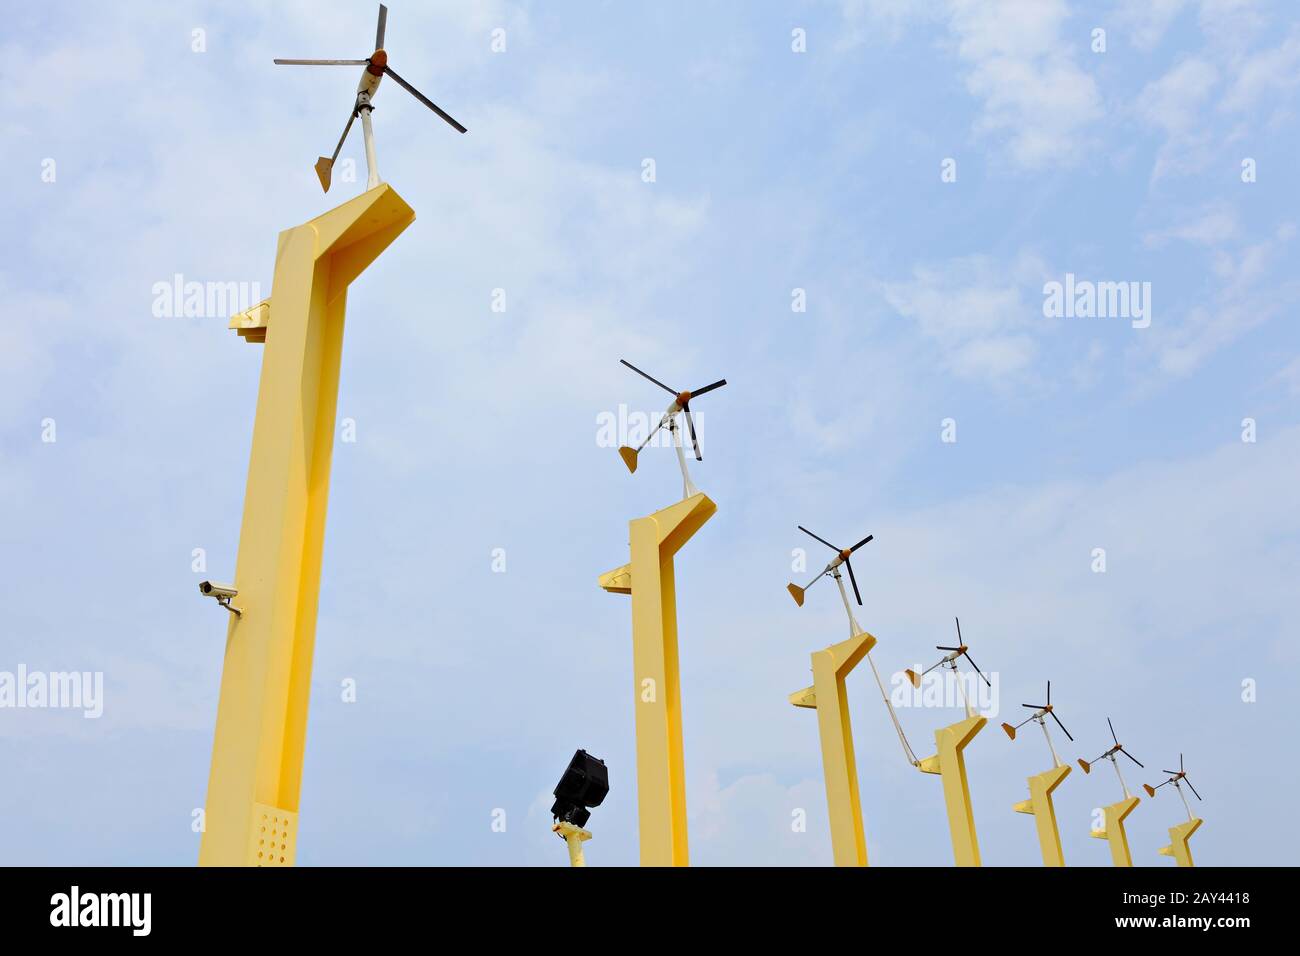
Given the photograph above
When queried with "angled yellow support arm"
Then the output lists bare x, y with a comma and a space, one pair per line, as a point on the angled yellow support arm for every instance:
257, 750
950, 764
1180, 847
830, 667
661, 779
1113, 830
1040, 806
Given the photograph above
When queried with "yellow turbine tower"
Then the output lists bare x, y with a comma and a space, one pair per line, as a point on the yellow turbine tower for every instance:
649, 579
830, 667
1041, 785
1114, 815
251, 810
1180, 834
949, 760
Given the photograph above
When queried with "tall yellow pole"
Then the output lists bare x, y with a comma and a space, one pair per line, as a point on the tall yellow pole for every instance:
661, 779
1040, 806
1112, 830
950, 764
830, 667
1179, 846
251, 809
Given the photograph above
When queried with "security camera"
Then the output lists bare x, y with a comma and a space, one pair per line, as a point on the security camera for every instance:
222, 592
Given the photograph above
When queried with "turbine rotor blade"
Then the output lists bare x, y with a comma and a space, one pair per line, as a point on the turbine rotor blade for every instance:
708, 388
1193, 789
379, 30
821, 539
977, 669
1061, 725
427, 102
1112, 731
1131, 757
284, 62
848, 564
644, 375
861, 543
690, 423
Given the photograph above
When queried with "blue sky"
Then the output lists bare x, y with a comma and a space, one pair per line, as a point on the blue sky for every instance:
476, 430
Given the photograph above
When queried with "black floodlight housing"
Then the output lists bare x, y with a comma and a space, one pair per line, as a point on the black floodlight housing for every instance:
584, 785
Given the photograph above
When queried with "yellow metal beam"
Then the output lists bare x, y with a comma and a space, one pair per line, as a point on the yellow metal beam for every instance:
661, 780
574, 836
1179, 846
257, 750
1113, 830
830, 667
950, 764
1040, 806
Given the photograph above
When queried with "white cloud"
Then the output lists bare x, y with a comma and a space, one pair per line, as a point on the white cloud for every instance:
1266, 76
1147, 20
1243, 300
975, 313
1175, 103
1024, 70
1213, 225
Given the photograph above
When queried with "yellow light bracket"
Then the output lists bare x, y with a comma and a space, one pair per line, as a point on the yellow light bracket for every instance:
574, 837
1180, 842
1113, 830
830, 667
950, 764
261, 725
1039, 805
661, 779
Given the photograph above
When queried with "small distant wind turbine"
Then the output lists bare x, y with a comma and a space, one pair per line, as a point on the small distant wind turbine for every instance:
376, 68
1040, 714
949, 661
1177, 778
1118, 748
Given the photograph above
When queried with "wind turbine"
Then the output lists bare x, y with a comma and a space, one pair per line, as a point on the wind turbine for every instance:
1178, 778
681, 404
1041, 712
949, 660
1118, 748
842, 556
376, 68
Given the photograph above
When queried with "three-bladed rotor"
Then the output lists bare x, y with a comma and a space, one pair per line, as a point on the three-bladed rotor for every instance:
681, 403
842, 556
376, 68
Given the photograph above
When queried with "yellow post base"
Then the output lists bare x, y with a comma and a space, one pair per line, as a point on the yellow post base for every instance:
1113, 830
1040, 806
827, 695
257, 748
661, 778
574, 836
1179, 847
949, 763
